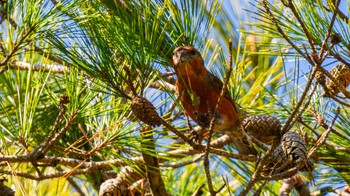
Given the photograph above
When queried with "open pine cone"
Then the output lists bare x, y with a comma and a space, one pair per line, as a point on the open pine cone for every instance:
342, 74
145, 111
263, 127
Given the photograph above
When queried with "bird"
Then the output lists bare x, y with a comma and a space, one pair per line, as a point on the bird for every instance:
199, 91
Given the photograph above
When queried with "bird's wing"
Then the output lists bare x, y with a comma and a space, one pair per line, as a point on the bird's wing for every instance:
218, 84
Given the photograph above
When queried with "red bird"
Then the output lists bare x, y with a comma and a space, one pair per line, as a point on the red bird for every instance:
199, 91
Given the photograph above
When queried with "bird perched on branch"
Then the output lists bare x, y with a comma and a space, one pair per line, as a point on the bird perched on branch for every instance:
199, 91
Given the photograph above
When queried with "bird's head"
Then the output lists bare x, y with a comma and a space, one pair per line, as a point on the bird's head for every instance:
188, 57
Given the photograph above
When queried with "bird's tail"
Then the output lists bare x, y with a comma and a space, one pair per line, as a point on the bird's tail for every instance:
244, 147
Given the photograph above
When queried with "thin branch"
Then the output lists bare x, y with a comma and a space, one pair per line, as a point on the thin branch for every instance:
5, 15
59, 69
255, 177
302, 24
306, 105
49, 143
75, 186
329, 31
340, 13
289, 121
163, 85
201, 148
46, 176
181, 164
280, 30
324, 136
49, 56
211, 127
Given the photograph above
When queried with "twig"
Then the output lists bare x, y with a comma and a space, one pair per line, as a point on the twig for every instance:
340, 13
41, 151
298, 116
181, 164
211, 127
46, 176
324, 136
5, 15
283, 34
258, 142
59, 69
163, 85
289, 121
106, 165
255, 177
302, 24
258, 192
329, 31
75, 186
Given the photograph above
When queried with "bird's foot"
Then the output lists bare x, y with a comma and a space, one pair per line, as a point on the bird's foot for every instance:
203, 120
195, 137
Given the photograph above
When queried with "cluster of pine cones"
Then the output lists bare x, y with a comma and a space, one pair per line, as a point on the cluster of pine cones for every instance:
291, 150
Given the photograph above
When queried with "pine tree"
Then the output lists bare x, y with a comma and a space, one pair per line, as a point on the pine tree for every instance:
88, 103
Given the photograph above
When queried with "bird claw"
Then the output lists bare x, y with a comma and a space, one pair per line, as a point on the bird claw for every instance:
194, 137
203, 120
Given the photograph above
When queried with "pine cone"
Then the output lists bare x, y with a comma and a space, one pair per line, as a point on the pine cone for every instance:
263, 127
342, 74
320, 78
294, 147
336, 38
145, 111
288, 154
275, 161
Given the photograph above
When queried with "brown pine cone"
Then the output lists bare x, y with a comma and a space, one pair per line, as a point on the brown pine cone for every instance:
145, 111
288, 154
294, 147
278, 162
263, 127
342, 74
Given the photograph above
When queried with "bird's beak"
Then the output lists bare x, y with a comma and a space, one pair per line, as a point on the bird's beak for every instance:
179, 57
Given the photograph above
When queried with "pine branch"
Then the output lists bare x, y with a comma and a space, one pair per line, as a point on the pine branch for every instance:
151, 163
59, 69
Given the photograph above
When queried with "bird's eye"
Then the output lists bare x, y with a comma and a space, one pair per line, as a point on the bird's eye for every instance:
192, 52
